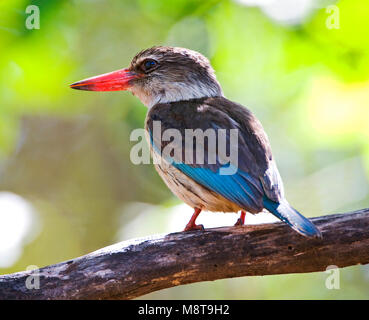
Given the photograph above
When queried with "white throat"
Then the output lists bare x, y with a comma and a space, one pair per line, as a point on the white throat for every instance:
175, 91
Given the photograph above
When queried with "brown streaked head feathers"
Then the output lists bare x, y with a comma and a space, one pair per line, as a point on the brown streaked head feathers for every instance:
175, 74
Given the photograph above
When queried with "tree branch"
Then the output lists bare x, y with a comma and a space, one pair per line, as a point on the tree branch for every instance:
133, 268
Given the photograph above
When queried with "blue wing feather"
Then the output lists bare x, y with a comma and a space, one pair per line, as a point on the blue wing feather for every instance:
240, 187
232, 187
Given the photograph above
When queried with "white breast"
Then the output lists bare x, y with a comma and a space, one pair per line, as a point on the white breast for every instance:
189, 191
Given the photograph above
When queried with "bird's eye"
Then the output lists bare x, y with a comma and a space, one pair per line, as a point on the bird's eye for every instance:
149, 64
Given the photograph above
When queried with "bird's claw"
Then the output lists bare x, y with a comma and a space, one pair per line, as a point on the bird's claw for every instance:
194, 227
239, 222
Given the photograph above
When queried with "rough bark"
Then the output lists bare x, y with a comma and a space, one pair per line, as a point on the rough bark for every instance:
133, 268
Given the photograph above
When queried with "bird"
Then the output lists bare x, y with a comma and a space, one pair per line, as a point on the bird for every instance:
180, 89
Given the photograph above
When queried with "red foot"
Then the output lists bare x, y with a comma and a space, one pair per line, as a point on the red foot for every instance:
194, 227
241, 219
191, 225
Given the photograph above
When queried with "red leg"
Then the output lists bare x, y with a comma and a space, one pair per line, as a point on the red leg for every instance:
241, 219
191, 225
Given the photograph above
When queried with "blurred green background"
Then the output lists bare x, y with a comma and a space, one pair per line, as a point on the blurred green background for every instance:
67, 186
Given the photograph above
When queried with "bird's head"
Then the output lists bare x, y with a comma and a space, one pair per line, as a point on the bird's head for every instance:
160, 75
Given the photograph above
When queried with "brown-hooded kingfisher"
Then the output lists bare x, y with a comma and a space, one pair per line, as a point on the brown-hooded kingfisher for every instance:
181, 91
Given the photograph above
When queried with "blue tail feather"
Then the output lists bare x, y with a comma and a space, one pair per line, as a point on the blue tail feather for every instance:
292, 217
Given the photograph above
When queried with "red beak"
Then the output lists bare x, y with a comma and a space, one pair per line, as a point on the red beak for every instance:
113, 81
